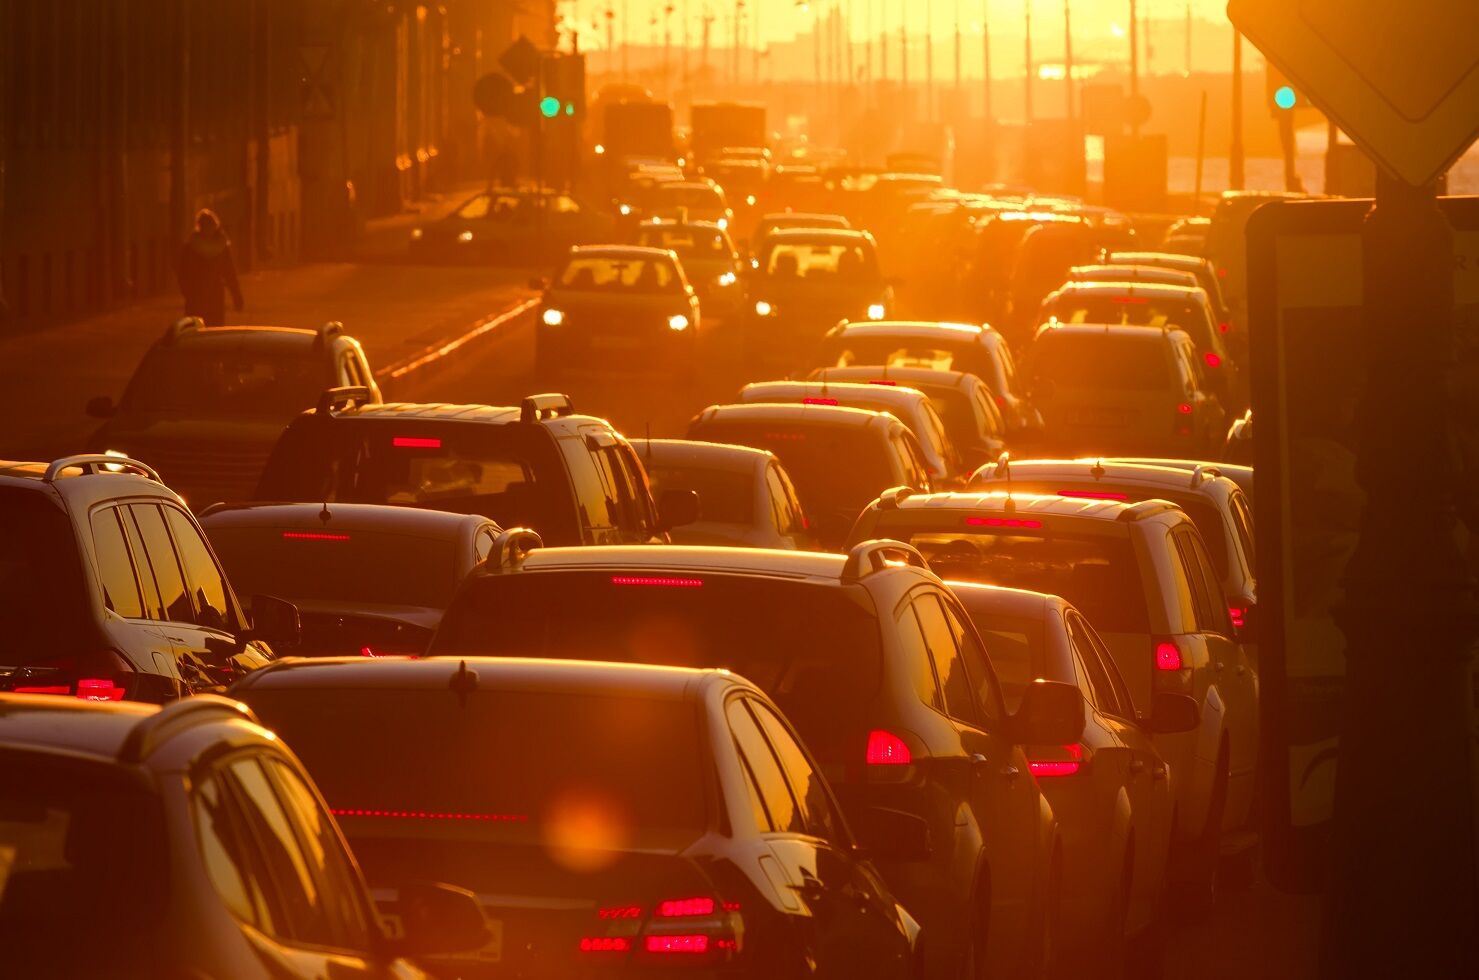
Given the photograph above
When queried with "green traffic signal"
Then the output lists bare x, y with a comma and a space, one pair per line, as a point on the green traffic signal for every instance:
1284, 97
549, 107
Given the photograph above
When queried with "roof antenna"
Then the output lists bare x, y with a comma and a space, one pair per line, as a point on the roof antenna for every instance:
1097, 472
324, 514
463, 683
1004, 470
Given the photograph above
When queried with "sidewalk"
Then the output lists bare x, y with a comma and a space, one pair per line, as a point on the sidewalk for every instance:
397, 310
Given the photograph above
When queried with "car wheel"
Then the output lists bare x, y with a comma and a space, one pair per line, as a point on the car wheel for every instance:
973, 962
1198, 884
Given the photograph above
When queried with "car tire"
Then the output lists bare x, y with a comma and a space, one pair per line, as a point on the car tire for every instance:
1197, 885
973, 962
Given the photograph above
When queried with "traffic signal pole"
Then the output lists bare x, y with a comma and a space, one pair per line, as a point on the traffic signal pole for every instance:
1403, 897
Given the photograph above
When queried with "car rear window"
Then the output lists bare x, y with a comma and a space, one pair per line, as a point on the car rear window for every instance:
724, 496
1016, 645
521, 766
345, 566
620, 274
933, 353
1084, 360
211, 380
509, 473
43, 596
1142, 311
814, 648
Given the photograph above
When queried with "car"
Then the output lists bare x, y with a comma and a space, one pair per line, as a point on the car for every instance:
850, 648
1141, 575
745, 497
1187, 236
367, 579
612, 819
689, 200
206, 404
194, 841
572, 478
742, 177
1110, 789
617, 307
1201, 268
783, 220
1238, 446
975, 348
1236, 472
1184, 308
963, 401
840, 458
710, 263
805, 281
909, 405
109, 591
510, 224
1120, 390
1046, 252
1215, 504
1126, 272
1227, 240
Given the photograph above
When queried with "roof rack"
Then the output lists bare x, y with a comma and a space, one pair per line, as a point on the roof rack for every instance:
1202, 474
97, 463
1144, 508
537, 408
889, 499
146, 736
342, 397
512, 546
184, 324
1003, 468
327, 332
872, 556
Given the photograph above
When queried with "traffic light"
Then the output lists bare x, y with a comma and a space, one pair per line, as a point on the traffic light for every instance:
564, 86
1281, 94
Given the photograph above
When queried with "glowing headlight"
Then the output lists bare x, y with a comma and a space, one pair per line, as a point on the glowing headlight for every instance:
875, 311
723, 223
625, 209
465, 236
763, 308
678, 322
600, 150
750, 200
728, 279
553, 317
417, 234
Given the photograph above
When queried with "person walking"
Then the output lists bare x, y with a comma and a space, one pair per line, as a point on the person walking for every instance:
207, 270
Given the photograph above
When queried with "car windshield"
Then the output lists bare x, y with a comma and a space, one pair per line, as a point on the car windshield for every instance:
689, 243
621, 274
85, 855
930, 353
681, 196
1140, 311
1097, 573
528, 767
1122, 361
814, 648
43, 596
215, 380
820, 262
324, 564
1016, 646
724, 496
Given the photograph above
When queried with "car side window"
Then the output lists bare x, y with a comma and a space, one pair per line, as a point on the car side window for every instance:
1215, 617
1202, 608
229, 856
978, 667
775, 795
213, 606
960, 702
173, 597
806, 782
917, 659
1180, 591
641, 490
989, 412
1100, 689
153, 608
482, 545
349, 369
1243, 526
593, 493
115, 566
1116, 680
911, 459
785, 511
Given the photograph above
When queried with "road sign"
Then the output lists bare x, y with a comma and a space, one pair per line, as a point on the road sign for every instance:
1402, 79
521, 60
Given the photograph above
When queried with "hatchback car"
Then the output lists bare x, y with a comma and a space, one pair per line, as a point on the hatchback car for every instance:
1141, 575
840, 458
969, 347
1120, 391
510, 224
963, 401
1125, 272
709, 260
206, 404
186, 842
1203, 269
745, 496
655, 819
909, 405
573, 478
1110, 790
109, 592
368, 579
880, 670
617, 306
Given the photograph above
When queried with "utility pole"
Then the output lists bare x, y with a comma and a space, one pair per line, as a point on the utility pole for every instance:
1134, 69
904, 49
626, 39
687, 43
959, 40
739, 10
667, 49
883, 39
610, 40
1188, 39
986, 108
1067, 60
1027, 65
1235, 151
929, 59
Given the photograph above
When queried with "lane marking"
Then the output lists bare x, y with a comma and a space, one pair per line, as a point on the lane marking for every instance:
438, 351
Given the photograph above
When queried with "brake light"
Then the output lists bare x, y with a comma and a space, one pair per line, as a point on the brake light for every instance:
313, 536
60, 689
432, 815
1212, 359
605, 944
658, 581
1184, 408
690, 944
98, 689
819, 401
1238, 615
887, 749
416, 442
675, 908
886, 384
1093, 495
1167, 656
1224, 327
1001, 522
1001, 401
1059, 767
1130, 299
620, 912
1222, 273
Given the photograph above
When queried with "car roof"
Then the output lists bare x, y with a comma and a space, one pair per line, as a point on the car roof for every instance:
917, 328
1172, 259
1128, 331
239, 336
693, 452
1005, 601
692, 558
443, 412
1131, 272
836, 235
803, 216
69, 725
619, 251
841, 390
342, 517
1157, 289
915, 377
709, 226
1111, 472
489, 673
78, 483
1010, 503
835, 415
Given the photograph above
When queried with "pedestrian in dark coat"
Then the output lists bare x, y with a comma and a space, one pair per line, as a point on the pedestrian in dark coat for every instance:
207, 270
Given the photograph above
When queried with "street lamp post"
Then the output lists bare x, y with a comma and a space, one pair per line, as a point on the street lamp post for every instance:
1027, 64
1067, 59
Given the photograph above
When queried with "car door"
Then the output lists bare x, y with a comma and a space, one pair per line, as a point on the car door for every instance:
785, 507
216, 620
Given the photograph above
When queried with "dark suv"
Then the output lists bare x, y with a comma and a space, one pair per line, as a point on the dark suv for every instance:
572, 478
207, 403
109, 591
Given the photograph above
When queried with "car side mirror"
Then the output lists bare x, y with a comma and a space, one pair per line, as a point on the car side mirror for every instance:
274, 621
1051, 713
538, 283
1171, 713
439, 919
677, 508
101, 407
893, 835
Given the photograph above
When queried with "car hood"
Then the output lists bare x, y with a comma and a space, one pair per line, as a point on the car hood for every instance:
571, 302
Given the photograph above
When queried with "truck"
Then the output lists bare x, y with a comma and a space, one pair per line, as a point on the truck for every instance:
726, 125
637, 129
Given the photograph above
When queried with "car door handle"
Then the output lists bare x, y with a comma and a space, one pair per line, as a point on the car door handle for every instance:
977, 759
1010, 771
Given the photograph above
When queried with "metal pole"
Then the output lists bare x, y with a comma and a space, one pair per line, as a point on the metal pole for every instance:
1067, 60
986, 107
1027, 65
626, 39
1201, 153
904, 48
1235, 151
1134, 70
959, 40
929, 59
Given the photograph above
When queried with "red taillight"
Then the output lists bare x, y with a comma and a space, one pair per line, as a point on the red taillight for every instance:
1238, 615
1184, 408
1224, 327
675, 908
432, 815
887, 384
819, 401
98, 689
1221, 273
1001, 401
1130, 299
1093, 494
605, 944
689, 944
313, 536
887, 749
1167, 656
658, 581
59, 689
1001, 522
1059, 767
416, 442
1212, 359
